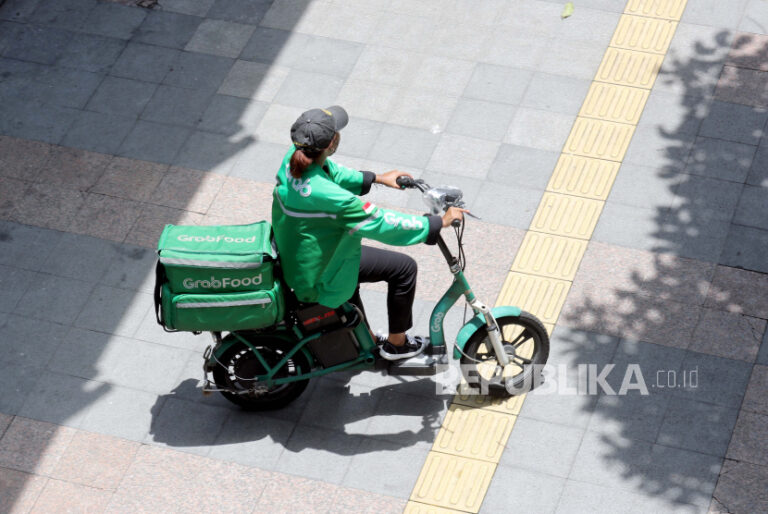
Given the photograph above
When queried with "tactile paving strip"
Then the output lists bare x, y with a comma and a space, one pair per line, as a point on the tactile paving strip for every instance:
474, 433
629, 68
509, 406
583, 176
567, 215
666, 9
599, 139
453, 482
549, 255
643, 34
542, 296
611, 102
421, 508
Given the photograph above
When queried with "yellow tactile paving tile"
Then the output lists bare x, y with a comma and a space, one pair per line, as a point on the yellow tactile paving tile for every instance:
422, 508
566, 215
453, 482
509, 406
629, 68
583, 176
549, 255
541, 296
611, 102
599, 139
666, 9
643, 34
474, 433
549, 327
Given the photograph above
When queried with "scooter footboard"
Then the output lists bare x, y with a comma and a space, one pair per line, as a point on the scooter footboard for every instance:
478, 322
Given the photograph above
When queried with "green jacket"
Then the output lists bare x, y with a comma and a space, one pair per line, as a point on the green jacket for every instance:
319, 222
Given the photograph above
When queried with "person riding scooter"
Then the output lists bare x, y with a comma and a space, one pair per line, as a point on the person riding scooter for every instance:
319, 221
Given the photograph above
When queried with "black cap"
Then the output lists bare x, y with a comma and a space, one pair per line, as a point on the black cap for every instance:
314, 129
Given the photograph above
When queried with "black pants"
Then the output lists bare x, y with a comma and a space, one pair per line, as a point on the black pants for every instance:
399, 272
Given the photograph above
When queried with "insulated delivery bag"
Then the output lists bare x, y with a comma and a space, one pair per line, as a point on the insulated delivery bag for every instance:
217, 278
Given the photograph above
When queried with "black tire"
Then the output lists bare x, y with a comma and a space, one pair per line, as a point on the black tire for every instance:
525, 338
238, 364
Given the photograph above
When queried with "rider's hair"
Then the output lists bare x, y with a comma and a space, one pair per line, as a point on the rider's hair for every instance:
300, 160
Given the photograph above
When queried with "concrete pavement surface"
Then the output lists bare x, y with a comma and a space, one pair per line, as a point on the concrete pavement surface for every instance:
617, 158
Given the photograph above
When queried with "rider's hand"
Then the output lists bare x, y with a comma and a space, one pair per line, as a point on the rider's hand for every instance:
389, 178
453, 213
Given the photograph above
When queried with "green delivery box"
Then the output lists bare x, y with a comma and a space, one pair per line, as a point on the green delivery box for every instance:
217, 278
217, 259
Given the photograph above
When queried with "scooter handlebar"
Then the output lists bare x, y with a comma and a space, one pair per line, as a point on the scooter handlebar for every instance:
404, 181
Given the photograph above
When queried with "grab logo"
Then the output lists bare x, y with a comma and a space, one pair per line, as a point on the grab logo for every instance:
408, 223
302, 186
223, 283
216, 239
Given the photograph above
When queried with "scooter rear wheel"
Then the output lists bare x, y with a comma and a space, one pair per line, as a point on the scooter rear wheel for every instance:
526, 342
238, 365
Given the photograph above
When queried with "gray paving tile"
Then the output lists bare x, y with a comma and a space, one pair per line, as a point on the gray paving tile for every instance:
253, 80
61, 399
210, 152
26, 247
498, 84
697, 195
91, 53
668, 473
148, 63
673, 113
259, 161
221, 38
319, 453
253, 440
131, 267
754, 19
36, 43
81, 257
23, 71
113, 310
657, 149
54, 298
384, 461
121, 96
461, 155
720, 159
631, 227
700, 235
241, 11
177, 106
578, 497
640, 186
518, 49
406, 419
342, 408
193, 7
713, 13
751, 209
324, 55
696, 57
523, 165
148, 330
184, 425
541, 491
109, 19
65, 87
120, 412
708, 385
734, 122
18, 10
275, 46
762, 356
14, 283
480, 119
404, 146
634, 416
494, 199
167, 29
577, 59
34, 341
17, 381
230, 115
187, 71
535, 128
745, 247
542, 447
98, 132
758, 174
64, 15
307, 90
698, 426
555, 93
48, 123
361, 136
154, 142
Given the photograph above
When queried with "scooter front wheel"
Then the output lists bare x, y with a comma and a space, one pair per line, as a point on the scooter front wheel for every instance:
526, 342
238, 366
